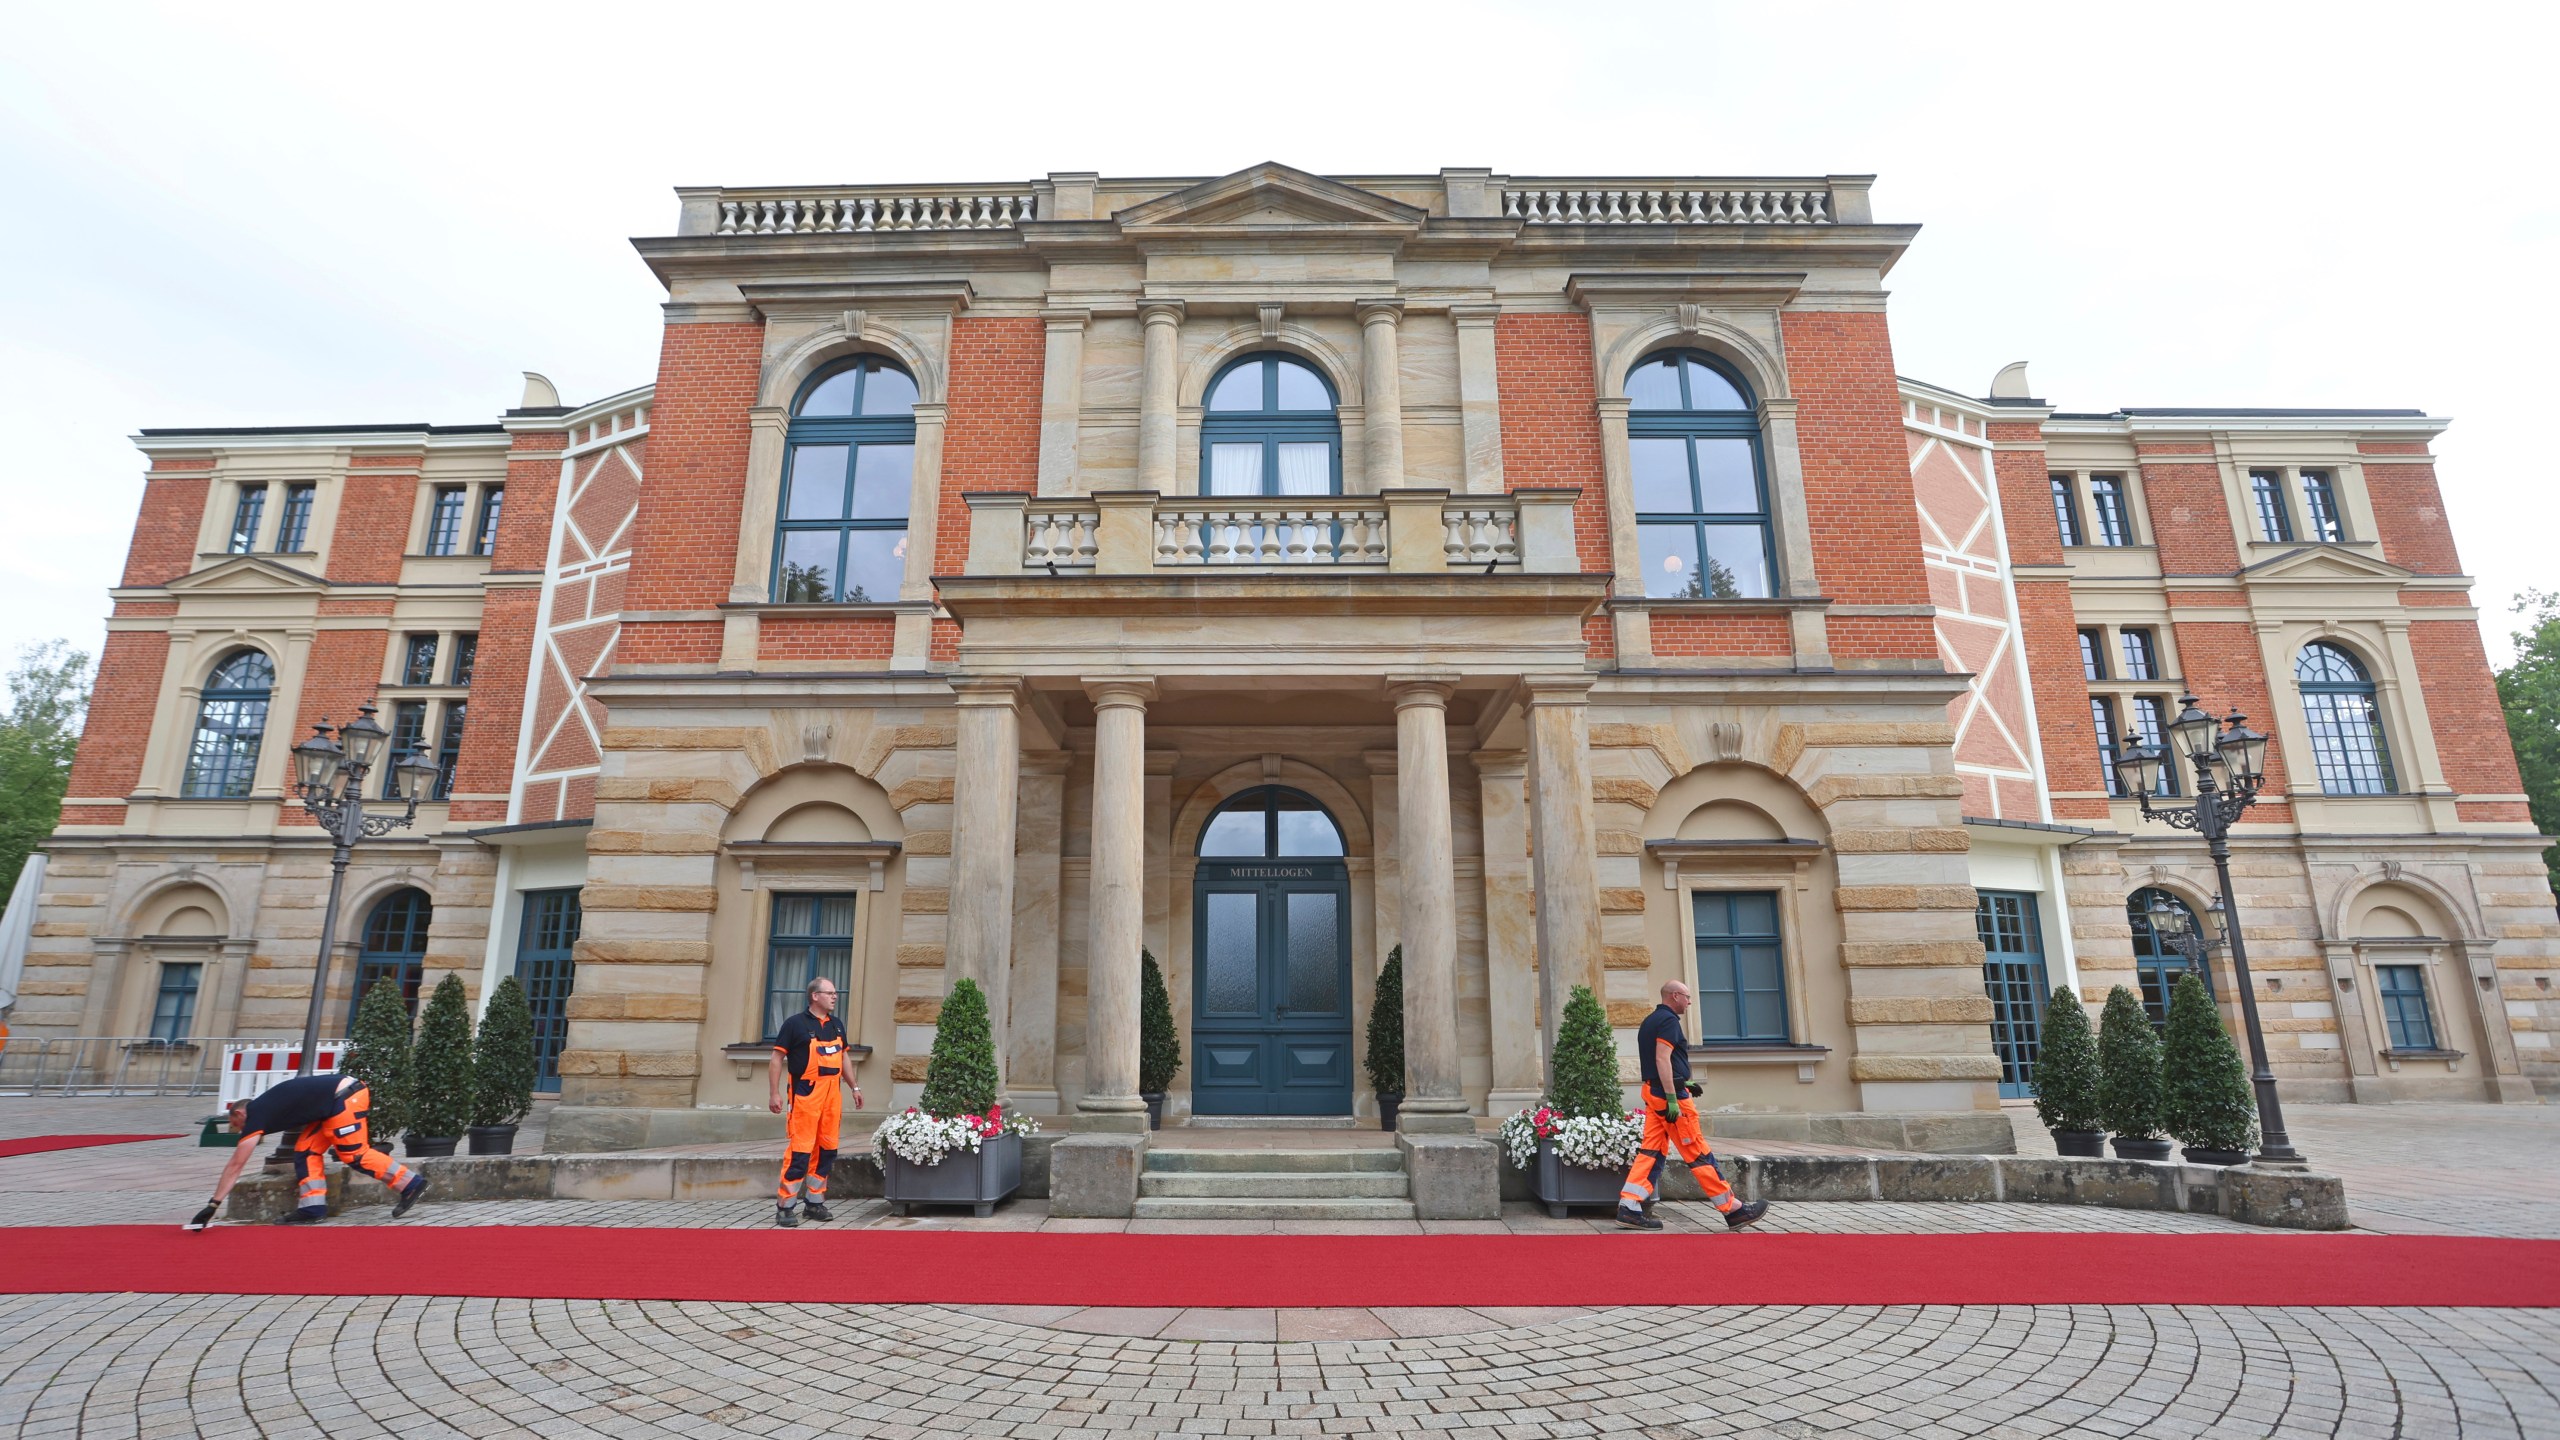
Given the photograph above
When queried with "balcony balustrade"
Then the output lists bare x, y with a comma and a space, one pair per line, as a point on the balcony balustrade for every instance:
1395, 532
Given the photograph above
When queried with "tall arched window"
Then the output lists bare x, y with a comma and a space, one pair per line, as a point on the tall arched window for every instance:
847, 476
2157, 965
1701, 499
229, 724
1270, 821
1270, 429
395, 947
2346, 728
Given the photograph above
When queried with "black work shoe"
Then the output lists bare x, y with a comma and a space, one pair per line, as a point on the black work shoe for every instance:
1743, 1217
817, 1210
1635, 1219
310, 1216
409, 1194
783, 1217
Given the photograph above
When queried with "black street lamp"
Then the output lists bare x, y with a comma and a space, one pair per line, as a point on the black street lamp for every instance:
2177, 927
2227, 756
331, 783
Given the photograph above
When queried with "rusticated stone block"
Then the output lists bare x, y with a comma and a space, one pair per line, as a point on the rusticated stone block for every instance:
1624, 792
919, 957
1954, 1177
910, 1068
1625, 1013
1948, 1010
918, 1010
1888, 732
1453, 1177
1906, 897
696, 898
925, 902
2127, 1184
1816, 1177
1622, 901
922, 790
928, 842
1618, 842
643, 952
1095, 1176
2285, 1199
1625, 957
1924, 1067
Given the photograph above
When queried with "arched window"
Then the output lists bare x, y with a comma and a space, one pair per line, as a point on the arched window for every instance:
1270, 821
847, 476
2157, 965
2346, 728
229, 724
1270, 429
395, 947
1701, 499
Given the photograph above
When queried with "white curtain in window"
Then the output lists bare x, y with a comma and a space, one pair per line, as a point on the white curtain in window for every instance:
1235, 469
1306, 469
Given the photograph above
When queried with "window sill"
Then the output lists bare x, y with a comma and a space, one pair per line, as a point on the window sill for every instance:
849, 609
1771, 604
2398, 1055
749, 1049
1755, 1053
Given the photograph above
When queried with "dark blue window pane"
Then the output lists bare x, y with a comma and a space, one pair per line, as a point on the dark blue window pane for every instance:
1669, 555
1661, 473
808, 566
1233, 833
1726, 484
1755, 915
1233, 971
875, 565
817, 483
883, 479
1305, 830
1737, 565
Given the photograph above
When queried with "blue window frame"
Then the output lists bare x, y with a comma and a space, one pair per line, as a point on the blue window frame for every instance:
2141, 655
1270, 821
394, 949
173, 1011
2093, 654
418, 660
1742, 972
484, 535
2151, 725
547, 968
1701, 494
408, 737
2404, 1007
1269, 427
2347, 744
848, 481
2102, 718
2156, 966
449, 747
231, 719
2320, 508
466, 655
245, 515
293, 528
2274, 524
2066, 511
2013, 975
2106, 507
444, 520
811, 935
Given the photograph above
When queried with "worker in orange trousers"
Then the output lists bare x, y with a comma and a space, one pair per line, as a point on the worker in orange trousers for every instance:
329, 1115
1671, 1124
809, 1053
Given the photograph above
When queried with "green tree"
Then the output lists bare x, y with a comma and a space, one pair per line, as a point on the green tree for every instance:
1159, 1048
961, 1077
2529, 691
2066, 1069
48, 696
2206, 1100
380, 1058
503, 1070
1385, 1061
440, 1074
1584, 1079
2128, 1068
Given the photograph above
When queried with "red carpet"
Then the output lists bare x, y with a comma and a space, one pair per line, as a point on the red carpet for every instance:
38, 1144
951, 1267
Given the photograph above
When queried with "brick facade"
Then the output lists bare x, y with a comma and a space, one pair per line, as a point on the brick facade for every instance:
1551, 432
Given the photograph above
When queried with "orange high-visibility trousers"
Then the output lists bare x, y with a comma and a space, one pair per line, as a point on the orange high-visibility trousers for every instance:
347, 1135
812, 1126
1661, 1138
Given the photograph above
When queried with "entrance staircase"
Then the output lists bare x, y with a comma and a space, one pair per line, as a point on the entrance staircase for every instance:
1295, 1184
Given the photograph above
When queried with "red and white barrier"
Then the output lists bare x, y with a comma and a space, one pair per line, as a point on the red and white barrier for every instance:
247, 1070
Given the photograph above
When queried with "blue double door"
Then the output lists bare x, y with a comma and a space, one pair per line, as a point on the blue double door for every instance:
1271, 988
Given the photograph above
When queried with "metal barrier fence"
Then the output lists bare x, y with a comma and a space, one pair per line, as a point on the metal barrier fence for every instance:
113, 1065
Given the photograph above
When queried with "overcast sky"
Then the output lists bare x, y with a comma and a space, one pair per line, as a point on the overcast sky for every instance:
345, 214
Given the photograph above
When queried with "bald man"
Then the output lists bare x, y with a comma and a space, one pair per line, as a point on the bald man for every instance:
1671, 1123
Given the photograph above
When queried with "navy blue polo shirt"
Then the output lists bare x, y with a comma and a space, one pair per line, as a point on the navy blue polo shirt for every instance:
1662, 1024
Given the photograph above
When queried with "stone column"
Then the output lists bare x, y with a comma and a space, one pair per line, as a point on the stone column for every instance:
1117, 906
1510, 951
1434, 1100
1479, 397
1062, 402
1561, 843
1381, 394
1031, 1000
980, 944
1157, 395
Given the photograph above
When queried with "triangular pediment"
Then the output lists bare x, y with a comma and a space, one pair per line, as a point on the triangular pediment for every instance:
2325, 564
1267, 196
245, 574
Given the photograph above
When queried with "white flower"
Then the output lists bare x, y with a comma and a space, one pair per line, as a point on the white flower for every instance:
1588, 1142
921, 1139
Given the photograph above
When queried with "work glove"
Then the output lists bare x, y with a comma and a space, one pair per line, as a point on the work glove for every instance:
1670, 1112
1694, 1088
204, 1217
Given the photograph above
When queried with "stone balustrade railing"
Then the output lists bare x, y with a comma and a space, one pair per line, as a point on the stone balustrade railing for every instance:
1397, 531
1787, 205
854, 212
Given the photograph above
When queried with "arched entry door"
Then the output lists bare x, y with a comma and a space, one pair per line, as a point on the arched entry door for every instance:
1271, 960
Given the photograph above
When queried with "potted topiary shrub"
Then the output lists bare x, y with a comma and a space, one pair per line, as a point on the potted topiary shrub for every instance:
2066, 1078
1576, 1144
2129, 1078
1385, 1060
957, 1145
502, 1070
440, 1072
378, 1054
2208, 1104
1159, 1049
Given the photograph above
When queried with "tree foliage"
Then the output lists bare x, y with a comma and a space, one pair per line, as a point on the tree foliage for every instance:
440, 1072
1584, 1078
503, 1070
2207, 1102
2529, 691
2128, 1068
48, 696
380, 1058
1385, 1059
1159, 1048
2066, 1070
961, 1077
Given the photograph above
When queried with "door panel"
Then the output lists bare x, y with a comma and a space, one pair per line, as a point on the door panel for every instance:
1271, 1019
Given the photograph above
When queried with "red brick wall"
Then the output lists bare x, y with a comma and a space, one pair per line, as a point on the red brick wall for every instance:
1683, 633
2049, 629
685, 542
344, 671
2410, 511
1551, 432
2227, 652
993, 445
374, 511
857, 637
2026, 496
488, 763
1857, 481
108, 763
164, 534
2188, 512
2462, 705
533, 491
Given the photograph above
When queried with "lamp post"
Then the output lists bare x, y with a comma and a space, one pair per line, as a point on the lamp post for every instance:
2177, 927
330, 781
2227, 757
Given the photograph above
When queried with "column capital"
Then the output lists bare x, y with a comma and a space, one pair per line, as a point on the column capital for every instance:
1557, 689
1169, 312
1388, 311
1066, 317
1427, 687
1469, 316
999, 691
1110, 692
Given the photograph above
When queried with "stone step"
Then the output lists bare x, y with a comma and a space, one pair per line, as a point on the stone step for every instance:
1273, 1185
1166, 1207
1293, 1162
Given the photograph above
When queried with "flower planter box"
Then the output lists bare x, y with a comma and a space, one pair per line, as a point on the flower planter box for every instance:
976, 1180
1559, 1186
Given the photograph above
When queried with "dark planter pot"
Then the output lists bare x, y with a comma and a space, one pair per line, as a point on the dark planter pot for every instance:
1559, 1186
422, 1147
1389, 1103
1155, 1109
977, 1181
2086, 1144
2203, 1155
493, 1139
2127, 1149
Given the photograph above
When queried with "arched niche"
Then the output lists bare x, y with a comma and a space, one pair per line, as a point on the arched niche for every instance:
2395, 911
188, 910
819, 822
1733, 820
1194, 811
1734, 795
819, 802
787, 372
1297, 341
